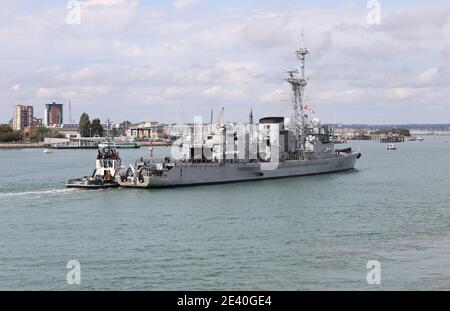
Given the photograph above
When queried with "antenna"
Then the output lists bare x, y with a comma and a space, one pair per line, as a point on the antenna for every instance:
70, 113
301, 54
180, 114
221, 117
302, 42
108, 132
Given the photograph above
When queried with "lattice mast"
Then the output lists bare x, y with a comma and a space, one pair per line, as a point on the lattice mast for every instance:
298, 119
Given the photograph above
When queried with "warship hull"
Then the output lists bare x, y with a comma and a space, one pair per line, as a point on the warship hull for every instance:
192, 174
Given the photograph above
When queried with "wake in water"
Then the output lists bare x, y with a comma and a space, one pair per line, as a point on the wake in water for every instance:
40, 192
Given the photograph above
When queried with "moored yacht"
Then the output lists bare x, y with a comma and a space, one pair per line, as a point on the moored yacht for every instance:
415, 138
392, 147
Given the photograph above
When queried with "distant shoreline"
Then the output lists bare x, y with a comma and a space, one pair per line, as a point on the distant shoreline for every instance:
155, 144
10, 146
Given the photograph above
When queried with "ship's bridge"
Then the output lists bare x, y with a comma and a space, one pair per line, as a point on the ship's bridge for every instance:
272, 120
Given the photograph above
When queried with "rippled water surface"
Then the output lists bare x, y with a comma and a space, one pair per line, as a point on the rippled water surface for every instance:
307, 233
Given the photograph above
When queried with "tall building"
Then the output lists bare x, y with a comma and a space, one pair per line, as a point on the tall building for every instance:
23, 117
53, 114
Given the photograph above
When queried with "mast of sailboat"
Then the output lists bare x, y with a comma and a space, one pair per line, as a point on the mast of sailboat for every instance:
108, 131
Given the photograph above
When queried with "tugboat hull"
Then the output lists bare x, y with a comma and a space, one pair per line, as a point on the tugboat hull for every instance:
89, 184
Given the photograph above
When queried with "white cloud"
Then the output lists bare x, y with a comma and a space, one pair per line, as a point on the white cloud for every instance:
341, 96
274, 97
214, 91
267, 32
110, 2
428, 76
399, 93
239, 71
182, 4
17, 87
220, 92
44, 92
425, 22
147, 59
446, 51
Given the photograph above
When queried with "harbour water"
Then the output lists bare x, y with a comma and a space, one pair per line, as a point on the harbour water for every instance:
305, 233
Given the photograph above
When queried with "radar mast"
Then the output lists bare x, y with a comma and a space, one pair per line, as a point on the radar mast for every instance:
298, 84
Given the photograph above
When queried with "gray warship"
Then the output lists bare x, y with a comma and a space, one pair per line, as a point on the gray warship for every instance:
275, 147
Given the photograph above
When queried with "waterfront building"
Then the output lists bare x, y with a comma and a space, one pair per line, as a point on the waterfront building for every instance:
53, 114
68, 130
392, 138
23, 117
149, 130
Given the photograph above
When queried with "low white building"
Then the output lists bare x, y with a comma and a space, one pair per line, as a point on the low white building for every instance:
69, 130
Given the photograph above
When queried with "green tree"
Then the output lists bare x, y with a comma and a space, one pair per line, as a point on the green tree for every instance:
7, 134
97, 128
85, 126
39, 134
10, 137
399, 131
5, 128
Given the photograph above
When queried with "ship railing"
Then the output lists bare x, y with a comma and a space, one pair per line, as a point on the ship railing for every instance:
209, 163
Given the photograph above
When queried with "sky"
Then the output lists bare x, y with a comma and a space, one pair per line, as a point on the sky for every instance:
172, 60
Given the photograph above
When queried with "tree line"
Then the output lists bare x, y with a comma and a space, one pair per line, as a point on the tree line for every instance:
88, 128
9, 135
399, 131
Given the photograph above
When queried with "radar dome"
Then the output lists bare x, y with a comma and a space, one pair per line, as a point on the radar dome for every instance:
316, 122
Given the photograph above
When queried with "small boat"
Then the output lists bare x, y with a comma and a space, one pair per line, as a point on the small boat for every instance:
415, 138
48, 151
107, 163
392, 147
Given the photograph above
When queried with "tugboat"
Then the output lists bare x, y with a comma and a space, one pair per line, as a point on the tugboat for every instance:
107, 163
